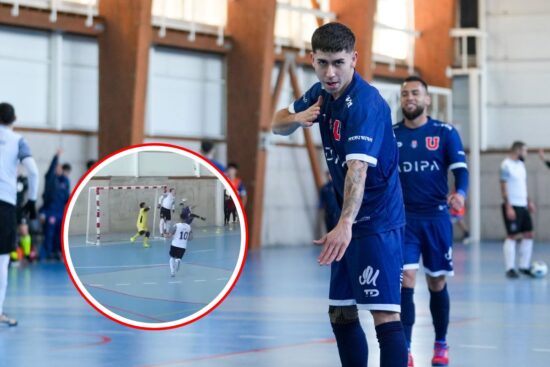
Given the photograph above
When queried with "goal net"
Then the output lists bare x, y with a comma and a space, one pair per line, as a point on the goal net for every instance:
113, 210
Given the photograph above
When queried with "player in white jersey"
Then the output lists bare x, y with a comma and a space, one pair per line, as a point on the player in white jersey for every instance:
13, 150
166, 205
516, 210
181, 233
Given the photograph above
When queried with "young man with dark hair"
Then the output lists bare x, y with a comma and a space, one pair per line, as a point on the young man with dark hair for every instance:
141, 224
516, 211
428, 150
364, 249
13, 150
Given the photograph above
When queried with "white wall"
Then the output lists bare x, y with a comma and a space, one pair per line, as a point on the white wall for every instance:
186, 93
518, 72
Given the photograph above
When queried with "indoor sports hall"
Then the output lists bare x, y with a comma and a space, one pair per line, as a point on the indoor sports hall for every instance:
87, 78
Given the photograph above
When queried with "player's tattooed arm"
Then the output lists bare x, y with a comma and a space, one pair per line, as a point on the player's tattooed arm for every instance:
337, 241
354, 188
285, 123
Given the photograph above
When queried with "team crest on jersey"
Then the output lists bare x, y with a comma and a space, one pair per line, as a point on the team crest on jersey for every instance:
336, 130
432, 142
414, 144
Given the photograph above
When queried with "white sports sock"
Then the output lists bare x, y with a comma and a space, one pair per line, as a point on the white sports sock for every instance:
509, 249
172, 264
178, 261
161, 226
525, 252
4, 263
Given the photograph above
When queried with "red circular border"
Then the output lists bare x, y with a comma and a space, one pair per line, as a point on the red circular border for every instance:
204, 161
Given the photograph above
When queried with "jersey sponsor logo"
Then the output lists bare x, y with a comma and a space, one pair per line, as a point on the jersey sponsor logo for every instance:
368, 277
360, 137
414, 144
333, 158
399, 144
336, 130
418, 166
348, 101
432, 142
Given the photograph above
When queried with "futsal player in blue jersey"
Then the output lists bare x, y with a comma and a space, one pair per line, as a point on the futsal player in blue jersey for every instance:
364, 249
428, 149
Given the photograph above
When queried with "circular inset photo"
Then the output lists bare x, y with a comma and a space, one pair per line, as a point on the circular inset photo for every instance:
146, 238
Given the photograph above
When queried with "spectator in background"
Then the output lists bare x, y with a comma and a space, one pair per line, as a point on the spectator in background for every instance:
542, 158
57, 190
232, 173
90, 164
328, 205
208, 150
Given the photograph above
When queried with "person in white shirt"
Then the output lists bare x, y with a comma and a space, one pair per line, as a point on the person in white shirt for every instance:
516, 210
13, 150
181, 233
166, 205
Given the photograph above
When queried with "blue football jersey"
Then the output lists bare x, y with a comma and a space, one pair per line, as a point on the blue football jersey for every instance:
426, 154
357, 126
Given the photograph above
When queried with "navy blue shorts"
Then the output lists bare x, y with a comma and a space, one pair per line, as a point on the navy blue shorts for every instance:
433, 239
370, 273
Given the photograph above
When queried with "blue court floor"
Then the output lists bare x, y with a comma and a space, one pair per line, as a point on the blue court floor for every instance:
135, 282
276, 316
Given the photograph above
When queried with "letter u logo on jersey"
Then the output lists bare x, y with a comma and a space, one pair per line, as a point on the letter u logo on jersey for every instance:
336, 130
432, 142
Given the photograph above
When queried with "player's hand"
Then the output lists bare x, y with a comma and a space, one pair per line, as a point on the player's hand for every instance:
308, 117
158, 206
30, 209
334, 243
510, 212
58, 152
531, 207
455, 201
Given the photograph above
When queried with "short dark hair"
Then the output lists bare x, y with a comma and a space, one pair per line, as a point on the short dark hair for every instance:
232, 165
333, 37
90, 163
207, 146
414, 78
142, 204
7, 113
66, 167
517, 145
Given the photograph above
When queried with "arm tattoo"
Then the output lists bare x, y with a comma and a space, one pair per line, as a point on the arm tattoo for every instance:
354, 188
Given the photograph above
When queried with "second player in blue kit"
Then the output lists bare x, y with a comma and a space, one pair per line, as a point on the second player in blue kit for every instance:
365, 247
428, 150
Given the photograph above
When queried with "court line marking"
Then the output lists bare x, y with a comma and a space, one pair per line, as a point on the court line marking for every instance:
175, 282
95, 285
148, 298
475, 346
122, 284
133, 313
222, 278
120, 266
159, 240
543, 350
199, 280
150, 283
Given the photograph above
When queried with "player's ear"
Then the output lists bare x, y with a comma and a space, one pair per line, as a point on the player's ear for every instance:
428, 100
354, 56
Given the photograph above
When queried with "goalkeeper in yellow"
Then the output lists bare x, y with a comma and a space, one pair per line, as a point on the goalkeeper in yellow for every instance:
142, 225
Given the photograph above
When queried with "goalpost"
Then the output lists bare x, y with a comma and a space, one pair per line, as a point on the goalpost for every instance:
113, 215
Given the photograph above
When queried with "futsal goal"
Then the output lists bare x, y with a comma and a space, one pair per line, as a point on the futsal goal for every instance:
113, 210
